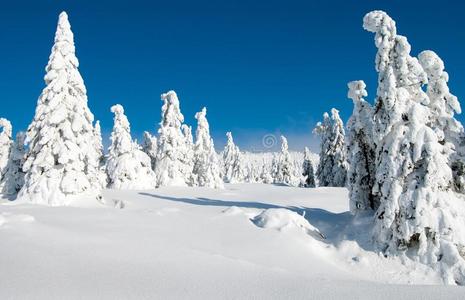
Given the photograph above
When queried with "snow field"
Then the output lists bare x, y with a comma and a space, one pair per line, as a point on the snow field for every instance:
200, 243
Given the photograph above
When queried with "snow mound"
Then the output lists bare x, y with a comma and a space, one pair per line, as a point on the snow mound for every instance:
285, 219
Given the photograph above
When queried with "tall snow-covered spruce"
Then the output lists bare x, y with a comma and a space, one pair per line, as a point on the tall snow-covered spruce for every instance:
127, 166
62, 158
284, 169
101, 162
5, 145
308, 171
206, 170
418, 209
188, 155
232, 161
13, 178
172, 165
332, 169
361, 153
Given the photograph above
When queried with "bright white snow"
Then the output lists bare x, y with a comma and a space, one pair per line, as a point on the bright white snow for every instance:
200, 243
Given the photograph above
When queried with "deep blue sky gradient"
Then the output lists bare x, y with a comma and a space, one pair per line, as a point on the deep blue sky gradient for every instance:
260, 67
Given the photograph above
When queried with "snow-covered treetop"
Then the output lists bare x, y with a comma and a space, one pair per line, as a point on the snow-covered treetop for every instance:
379, 21
322, 128
432, 64
121, 141
338, 126
385, 28
231, 151
98, 136
438, 78
201, 118
362, 114
407, 69
64, 32
203, 129
65, 93
400, 77
63, 58
229, 137
230, 148
117, 109
357, 90
187, 132
307, 154
7, 129
171, 115
284, 145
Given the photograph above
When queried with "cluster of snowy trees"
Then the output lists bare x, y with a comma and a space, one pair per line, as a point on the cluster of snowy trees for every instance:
61, 157
418, 144
404, 155
64, 157
285, 167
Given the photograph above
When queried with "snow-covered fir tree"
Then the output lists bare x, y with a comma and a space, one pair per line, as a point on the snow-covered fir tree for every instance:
307, 170
5, 145
128, 167
265, 175
298, 171
206, 170
325, 166
172, 168
340, 154
232, 162
189, 152
274, 167
360, 149
284, 168
98, 144
149, 146
332, 169
252, 173
62, 159
418, 210
13, 178
443, 105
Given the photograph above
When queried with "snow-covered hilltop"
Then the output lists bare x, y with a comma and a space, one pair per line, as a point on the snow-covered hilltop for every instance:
401, 159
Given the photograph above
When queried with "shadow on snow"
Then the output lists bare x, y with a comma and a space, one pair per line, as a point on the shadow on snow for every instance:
336, 227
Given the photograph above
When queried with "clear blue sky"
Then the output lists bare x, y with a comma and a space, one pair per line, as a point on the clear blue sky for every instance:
259, 66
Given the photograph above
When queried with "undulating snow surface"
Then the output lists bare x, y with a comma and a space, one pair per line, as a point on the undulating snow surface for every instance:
246, 241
